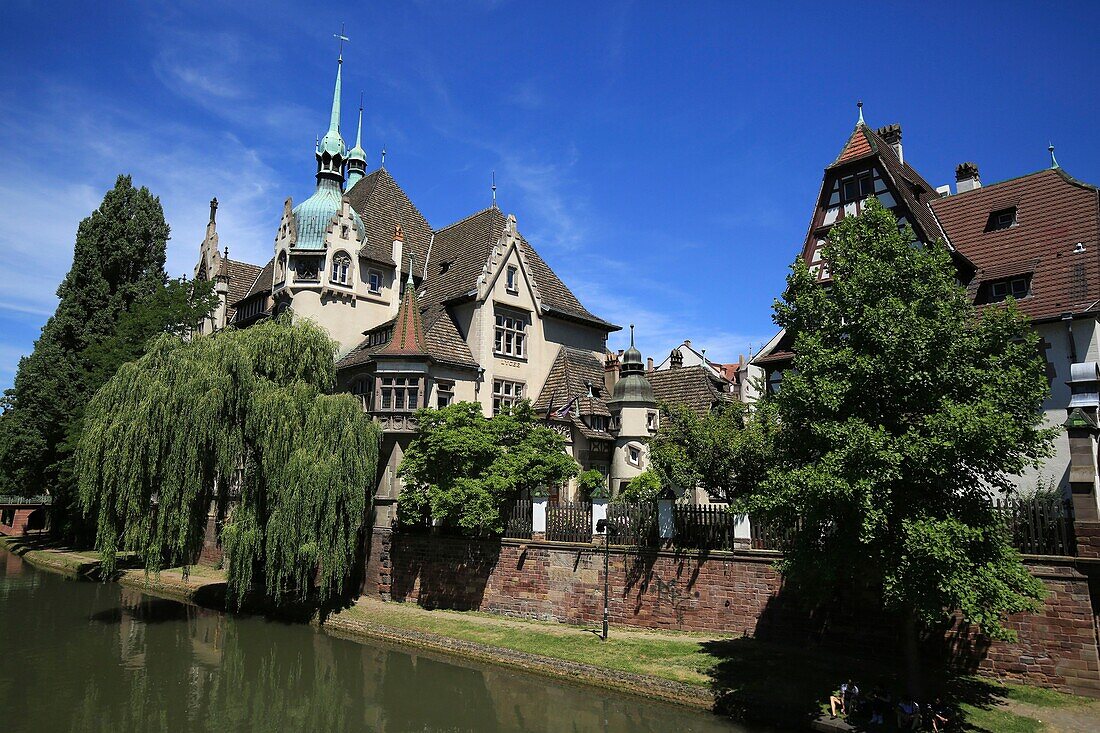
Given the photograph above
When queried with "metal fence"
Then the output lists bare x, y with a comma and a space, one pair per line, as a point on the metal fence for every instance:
1039, 525
568, 521
518, 522
26, 500
764, 536
633, 524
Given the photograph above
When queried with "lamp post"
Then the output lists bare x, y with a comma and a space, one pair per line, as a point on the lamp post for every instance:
605, 528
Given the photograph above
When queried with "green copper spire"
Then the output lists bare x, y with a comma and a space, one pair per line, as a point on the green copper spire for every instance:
357, 157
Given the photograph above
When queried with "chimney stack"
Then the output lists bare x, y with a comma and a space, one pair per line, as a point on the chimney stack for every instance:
649, 364
398, 245
611, 366
891, 135
966, 177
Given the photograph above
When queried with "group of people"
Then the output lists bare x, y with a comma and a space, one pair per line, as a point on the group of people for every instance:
876, 705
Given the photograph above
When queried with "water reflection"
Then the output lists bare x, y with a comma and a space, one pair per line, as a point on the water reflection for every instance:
89, 657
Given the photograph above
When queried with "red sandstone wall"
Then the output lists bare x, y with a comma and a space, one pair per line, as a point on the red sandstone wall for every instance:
738, 593
19, 526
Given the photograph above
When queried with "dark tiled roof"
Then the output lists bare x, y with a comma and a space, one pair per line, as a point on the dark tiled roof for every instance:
408, 329
914, 193
461, 250
260, 283
382, 204
1053, 213
241, 277
695, 387
570, 374
442, 342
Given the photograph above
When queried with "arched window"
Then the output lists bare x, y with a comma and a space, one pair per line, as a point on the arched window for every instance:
341, 268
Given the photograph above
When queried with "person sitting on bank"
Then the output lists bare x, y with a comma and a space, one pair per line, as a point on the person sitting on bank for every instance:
908, 714
878, 702
841, 698
941, 716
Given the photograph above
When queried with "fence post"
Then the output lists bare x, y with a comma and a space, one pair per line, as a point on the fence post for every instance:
538, 513
666, 522
598, 509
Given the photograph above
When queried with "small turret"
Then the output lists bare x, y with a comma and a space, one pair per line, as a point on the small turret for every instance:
357, 157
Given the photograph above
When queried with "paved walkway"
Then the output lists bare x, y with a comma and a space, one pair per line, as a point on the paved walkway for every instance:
1083, 718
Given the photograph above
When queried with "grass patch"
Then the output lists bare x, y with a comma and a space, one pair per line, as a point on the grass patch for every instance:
746, 674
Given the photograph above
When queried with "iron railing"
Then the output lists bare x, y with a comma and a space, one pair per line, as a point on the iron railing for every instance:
42, 499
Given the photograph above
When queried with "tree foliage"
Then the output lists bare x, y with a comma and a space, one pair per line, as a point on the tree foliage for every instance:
643, 487
903, 410
591, 482
165, 434
462, 468
118, 260
712, 451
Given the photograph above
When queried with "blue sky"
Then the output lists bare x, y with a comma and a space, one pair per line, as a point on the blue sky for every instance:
664, 158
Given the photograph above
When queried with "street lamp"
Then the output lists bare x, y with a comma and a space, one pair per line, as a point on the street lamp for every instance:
607, 529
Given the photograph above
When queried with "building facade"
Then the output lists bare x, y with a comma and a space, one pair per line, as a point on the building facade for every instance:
425, 317
1035, 238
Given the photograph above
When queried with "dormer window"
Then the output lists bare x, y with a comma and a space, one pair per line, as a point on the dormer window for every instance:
510, 282
1001, 219
597, 422
997, 291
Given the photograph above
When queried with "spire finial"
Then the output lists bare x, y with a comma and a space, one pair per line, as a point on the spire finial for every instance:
213, 208
1053, 160
494, 189
632, 335
343, 39
409, 279
859, 105
359, 132
383, 165
227, 251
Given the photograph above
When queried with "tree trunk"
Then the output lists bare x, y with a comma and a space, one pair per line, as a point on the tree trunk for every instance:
914, 671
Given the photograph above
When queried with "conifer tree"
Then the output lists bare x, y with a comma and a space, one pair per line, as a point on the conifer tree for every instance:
118, 259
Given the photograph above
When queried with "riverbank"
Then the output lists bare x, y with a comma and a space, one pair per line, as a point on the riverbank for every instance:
740, 676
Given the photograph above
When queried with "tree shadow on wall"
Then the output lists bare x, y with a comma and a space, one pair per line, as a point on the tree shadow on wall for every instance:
441, 571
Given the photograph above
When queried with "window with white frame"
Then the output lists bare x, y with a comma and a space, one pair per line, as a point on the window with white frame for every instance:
511, 279
374, 281
651, 420
341, 268
634, 455
444, 393
511, 335
398, 394
506, 394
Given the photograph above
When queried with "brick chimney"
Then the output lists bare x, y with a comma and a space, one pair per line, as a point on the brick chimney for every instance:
891, 135
966, 177
649, 364
611, 367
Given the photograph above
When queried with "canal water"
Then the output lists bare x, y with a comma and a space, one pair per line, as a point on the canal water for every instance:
84, 656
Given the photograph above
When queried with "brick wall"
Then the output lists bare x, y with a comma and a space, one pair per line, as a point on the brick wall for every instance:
22, 521
733, 593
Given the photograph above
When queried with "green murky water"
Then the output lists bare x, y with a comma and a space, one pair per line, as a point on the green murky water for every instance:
83, 656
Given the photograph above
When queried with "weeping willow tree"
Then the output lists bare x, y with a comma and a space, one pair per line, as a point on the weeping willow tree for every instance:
163, 437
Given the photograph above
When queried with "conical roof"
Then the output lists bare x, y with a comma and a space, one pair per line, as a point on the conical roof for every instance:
408, 329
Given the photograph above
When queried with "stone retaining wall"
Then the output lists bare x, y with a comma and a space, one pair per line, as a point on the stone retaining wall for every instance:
731, 593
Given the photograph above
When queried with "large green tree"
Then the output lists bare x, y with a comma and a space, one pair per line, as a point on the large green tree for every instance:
905, 410
463, 468
118, 260
712, 451
176, 429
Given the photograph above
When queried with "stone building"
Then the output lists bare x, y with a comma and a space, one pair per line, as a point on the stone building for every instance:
1035, 238
425, 317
